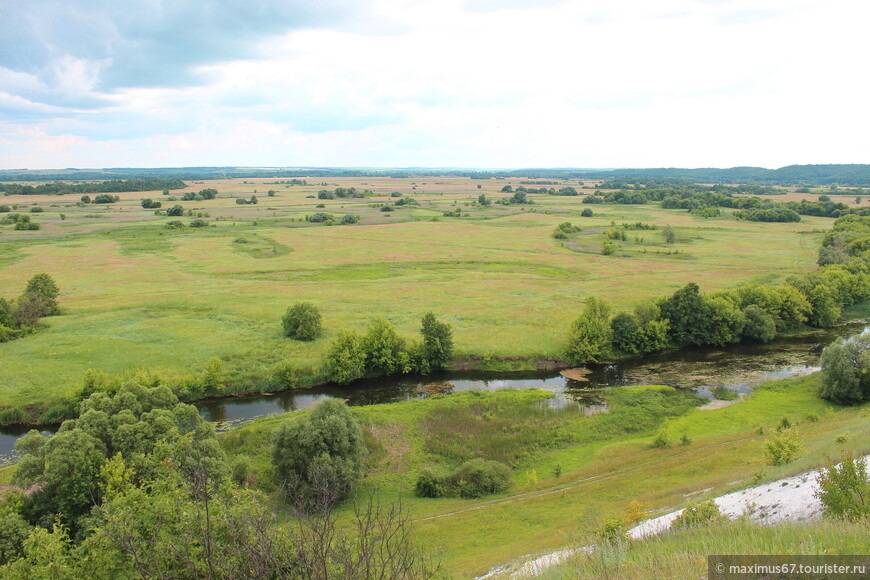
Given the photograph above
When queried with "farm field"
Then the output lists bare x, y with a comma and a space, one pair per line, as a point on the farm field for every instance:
136, 294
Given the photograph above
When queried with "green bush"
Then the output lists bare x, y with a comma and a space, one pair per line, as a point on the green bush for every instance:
284, 375
199, 223
783, 446
349, 218
480, 477
318, 456
431, 484
175, 211
699, 513
844, 489
302, 321
36, 209
174, 225
319, 217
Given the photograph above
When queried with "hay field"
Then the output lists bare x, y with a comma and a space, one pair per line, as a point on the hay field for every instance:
138, 295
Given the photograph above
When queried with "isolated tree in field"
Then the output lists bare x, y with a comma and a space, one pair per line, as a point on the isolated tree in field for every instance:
175, 210
302, 321
437, 343
320, 453
43, 286
669, 235
589, 335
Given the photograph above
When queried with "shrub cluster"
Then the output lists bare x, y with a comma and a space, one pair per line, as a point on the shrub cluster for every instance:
21, 315
381, 351
475, 478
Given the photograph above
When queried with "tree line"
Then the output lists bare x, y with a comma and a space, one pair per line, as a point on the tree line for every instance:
755, 312
110, 186
137, 485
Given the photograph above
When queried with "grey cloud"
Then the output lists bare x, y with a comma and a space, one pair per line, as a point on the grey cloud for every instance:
147, 44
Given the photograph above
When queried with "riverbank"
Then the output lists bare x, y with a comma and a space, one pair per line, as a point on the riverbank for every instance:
562, 489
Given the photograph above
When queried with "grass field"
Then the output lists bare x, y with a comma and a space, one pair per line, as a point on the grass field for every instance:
138, 295
604, 461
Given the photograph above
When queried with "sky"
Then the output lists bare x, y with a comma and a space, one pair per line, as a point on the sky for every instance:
433, 83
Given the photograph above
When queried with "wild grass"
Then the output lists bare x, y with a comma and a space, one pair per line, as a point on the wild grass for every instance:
683, 553
507, 288
571, 470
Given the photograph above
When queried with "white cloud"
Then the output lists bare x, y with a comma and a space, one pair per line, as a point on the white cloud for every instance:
592, 83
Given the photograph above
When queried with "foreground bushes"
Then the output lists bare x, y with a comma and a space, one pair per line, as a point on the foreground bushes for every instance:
475, 478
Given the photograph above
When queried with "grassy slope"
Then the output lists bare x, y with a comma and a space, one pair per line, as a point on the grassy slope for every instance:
601, 474
137, 295
683, 554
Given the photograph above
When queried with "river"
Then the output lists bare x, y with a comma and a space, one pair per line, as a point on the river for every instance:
737, 368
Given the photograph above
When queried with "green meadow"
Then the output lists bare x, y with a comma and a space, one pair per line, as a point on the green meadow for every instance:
570, 470
136, 294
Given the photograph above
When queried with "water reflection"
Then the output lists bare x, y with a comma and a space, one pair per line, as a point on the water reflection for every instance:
738, 368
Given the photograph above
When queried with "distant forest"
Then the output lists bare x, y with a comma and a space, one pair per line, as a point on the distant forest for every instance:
113, 186
831, 174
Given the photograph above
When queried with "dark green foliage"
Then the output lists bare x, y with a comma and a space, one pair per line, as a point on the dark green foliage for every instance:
481, 199
66, 466
385, 350
725, 321
387, 208
44, 287
105, 198
149, 203
587, 212
319, 455
760, 325
507, 189
768, 215
348, 219
174, 225
432, 484
110, 186
480, 477
564, 229
318, 217
23, 223
844, 489
626, 333
519, 197
687, 316
589, 335
346, 359
437, 345
199, 223
36, 209
14, 530
5, 209
175, 211
302, 321
846, 371
669, 235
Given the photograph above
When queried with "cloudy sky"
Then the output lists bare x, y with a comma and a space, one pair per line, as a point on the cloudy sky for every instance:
437, 83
